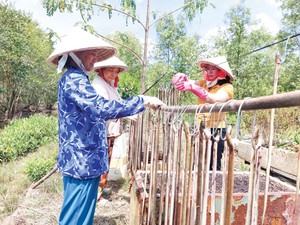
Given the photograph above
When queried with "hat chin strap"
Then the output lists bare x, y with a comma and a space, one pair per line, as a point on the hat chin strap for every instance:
210, 84
78, 62
62, 63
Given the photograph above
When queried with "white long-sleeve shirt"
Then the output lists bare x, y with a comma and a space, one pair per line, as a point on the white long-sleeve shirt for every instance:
109, 92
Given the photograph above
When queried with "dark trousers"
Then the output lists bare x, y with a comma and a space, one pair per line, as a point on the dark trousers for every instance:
220, 149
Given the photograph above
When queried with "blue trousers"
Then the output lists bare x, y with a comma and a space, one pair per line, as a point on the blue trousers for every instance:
79, 201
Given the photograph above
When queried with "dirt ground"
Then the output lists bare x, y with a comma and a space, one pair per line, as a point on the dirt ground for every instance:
41, 206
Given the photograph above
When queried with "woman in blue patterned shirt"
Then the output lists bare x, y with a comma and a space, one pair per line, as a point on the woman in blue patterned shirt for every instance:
82, 157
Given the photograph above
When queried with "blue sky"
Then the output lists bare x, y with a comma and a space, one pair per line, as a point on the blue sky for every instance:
266, 10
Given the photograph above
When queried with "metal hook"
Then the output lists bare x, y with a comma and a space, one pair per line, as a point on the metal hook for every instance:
239, 117
169, 116
197, 111
212, 120
226, 103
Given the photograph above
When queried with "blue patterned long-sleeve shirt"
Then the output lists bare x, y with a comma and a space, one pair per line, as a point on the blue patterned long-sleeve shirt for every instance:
82, 132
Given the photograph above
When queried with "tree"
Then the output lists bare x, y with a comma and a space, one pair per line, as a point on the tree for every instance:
129, 84
127, 8
241, 35
174, 52
25, 77
290, 56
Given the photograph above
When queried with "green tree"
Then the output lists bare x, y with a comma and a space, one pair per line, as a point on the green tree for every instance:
253, 72
88, 10
25, 77
174, 52
129, 84
290, 56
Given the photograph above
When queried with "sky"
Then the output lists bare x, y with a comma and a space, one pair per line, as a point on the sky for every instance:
267, 11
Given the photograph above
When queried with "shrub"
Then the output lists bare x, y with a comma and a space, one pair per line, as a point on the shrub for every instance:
38, 168
25, 135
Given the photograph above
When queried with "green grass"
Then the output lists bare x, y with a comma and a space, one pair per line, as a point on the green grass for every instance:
14, 181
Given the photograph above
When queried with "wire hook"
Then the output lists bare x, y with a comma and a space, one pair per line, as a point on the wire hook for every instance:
239, 118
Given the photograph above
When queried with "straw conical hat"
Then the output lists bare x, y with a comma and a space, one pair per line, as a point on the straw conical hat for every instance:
112, 62
219, 62
80, 40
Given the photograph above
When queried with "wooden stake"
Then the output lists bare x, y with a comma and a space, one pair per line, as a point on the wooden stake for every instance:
213, 179
42, 180
272, 118
230, 180
206, 180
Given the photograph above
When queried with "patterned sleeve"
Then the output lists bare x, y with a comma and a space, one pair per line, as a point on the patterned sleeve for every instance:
80, 92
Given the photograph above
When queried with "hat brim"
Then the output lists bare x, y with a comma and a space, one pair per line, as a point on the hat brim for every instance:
112, 62
219, 62
104, 54
80, 40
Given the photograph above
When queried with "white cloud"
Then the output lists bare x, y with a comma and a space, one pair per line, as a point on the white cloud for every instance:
272, 2
269, 23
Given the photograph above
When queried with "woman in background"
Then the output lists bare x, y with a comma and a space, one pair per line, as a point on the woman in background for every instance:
216, 86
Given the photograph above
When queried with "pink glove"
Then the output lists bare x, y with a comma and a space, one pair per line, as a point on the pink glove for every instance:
178, 77
184, 86
190, 86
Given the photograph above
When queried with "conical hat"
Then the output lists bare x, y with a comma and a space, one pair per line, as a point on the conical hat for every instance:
80, 40
112, 62
219, 62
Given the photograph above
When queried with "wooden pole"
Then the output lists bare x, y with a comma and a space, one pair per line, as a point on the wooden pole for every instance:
185, 194
282, 100
213, 179
272, 118
163, 196
36, 184
206, 179
230, 181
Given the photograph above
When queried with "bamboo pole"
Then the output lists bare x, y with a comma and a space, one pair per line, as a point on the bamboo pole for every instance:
163, 175
173, 191
202, 169
196, 179
206, 179
213, 179
256, 188
250, 189
146, 140
190, 187
150, 199
185, 193
258, 156
224, 182
171, 135
272, 118
177, 175
155, 165
230, 180
146, 169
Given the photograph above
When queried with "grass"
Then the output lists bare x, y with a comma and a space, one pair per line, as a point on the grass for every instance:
14, 181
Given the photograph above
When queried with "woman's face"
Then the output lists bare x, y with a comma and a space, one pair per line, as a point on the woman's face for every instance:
110, 73
211, 73
88, 58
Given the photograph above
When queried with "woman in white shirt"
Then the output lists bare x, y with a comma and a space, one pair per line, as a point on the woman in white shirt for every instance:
106, 84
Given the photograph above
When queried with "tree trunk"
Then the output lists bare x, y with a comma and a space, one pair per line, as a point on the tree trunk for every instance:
144, 64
